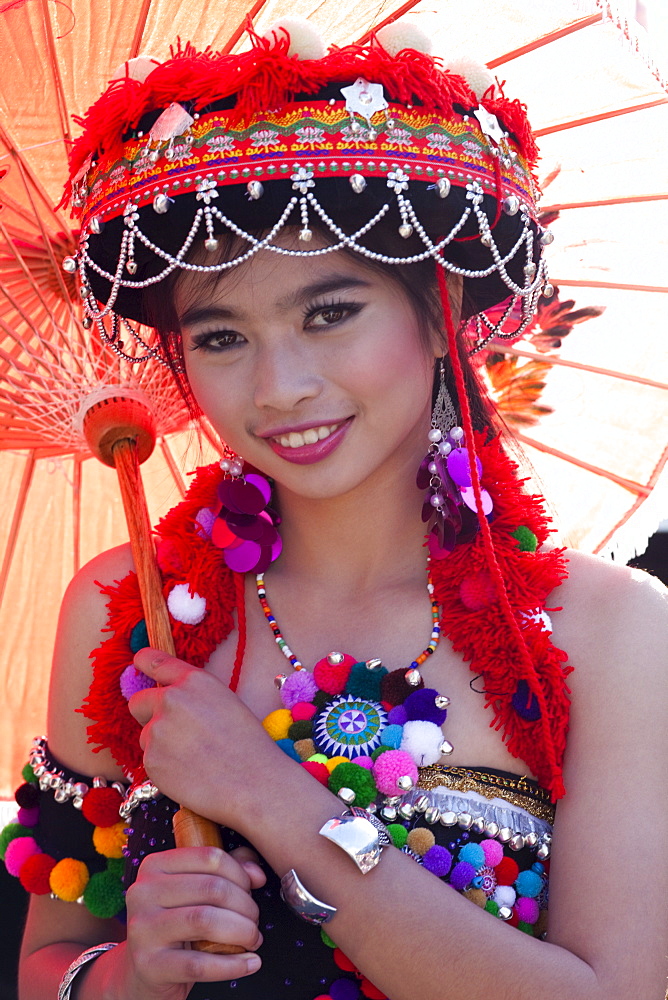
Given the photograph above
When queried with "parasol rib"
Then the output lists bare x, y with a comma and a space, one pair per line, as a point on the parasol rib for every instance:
76, 513
17, 156
57, 80
173, 467
241, 28
627, 484
590, 119
19, 509
632, 199
139, 29
654, 478
551, 359
551, 36
390, 19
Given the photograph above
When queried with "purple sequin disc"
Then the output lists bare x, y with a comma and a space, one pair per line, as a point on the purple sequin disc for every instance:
469, 499
459, 466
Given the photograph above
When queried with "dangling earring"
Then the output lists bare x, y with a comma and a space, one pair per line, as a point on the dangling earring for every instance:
245, 526
445, 475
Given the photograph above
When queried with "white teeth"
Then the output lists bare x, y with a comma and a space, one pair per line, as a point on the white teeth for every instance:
311, 436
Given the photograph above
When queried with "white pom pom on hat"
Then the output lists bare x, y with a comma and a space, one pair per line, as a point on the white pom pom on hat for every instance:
478, 76
305, 41
184, 606
137, 68
403, 35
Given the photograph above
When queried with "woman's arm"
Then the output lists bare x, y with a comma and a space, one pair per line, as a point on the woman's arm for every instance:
408, 932
179, 896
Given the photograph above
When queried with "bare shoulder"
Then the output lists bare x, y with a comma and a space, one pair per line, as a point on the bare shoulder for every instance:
83, 616
612, 617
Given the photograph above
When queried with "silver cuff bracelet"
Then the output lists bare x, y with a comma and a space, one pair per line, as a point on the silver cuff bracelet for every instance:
360, 834
301, 902
65, 988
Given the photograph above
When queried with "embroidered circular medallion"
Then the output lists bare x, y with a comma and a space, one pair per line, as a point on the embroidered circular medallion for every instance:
349, 727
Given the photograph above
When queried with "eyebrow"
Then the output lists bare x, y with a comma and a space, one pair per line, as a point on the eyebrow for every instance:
325, 286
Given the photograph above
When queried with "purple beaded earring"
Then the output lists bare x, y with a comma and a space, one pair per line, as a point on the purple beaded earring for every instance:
445, 475
245, 526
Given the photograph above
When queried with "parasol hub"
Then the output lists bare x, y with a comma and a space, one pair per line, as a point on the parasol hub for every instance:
116, 418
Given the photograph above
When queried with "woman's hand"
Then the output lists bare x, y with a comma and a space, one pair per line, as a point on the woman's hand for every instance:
202, 746
185, 895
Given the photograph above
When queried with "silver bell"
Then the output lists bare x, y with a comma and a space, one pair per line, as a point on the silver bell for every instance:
306, 235
530, 271
405, 782
279, 680
69, 265
548, 291
335, 658
413, 677
547, 238
96, 225
346, 795
131, 267
405, 230
374, 664
446, 748
511, 204
443, 186
441, 701
161, 204
448, 818
211, 244
255, 189
516, 843
358, 183
486, 239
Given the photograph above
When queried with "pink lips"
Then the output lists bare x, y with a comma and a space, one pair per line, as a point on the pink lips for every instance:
311, 453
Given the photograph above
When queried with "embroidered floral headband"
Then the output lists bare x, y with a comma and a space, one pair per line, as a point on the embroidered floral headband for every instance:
175, 156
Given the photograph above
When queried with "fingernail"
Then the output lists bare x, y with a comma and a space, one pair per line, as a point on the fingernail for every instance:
253, 963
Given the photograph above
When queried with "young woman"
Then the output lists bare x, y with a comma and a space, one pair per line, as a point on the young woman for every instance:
412, 852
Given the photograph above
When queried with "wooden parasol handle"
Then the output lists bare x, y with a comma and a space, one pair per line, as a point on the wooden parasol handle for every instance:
120, 432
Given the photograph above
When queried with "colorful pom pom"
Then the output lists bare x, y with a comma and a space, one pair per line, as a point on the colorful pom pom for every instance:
349, 775
473, 853
302, 711
204, 520
344, 989
305, 749
184, 606
343, 962
527, 910
35, 872
364, 761
133, 680
28, 774
420, 840
528, 883
379, 750
398, 833
364, 683
17, 853
526, 540
397, 716
438, 860
394, 687
492, 907
101, 805
326, 939
505, 895
304, 40
390, 767
506, 871
479, 78
400, 35
525, 928
370, 991
9, 833
288, 747
461, 875
421, 705
68, 879
392, 737
277, 723
525, 702
27, 796
333, 677
139, 636
332, 762
28, 817
477, 591
493, 852
477, 896
110, 840
103, 895
422, 740
301, 730
319, 771
322, 758
298, 687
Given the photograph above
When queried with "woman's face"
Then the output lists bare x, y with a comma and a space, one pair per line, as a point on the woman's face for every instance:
313, 370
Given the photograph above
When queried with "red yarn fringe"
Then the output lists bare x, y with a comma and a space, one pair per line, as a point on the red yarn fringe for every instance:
266, 77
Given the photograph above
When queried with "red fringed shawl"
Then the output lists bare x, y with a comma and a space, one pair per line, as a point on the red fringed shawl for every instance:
484, 637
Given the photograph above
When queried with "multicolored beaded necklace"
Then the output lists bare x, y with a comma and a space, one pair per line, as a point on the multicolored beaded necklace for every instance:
298, 665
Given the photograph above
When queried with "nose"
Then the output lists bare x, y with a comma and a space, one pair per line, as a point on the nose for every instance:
285, 374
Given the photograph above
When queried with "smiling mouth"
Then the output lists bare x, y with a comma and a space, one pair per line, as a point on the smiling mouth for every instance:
299, 439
